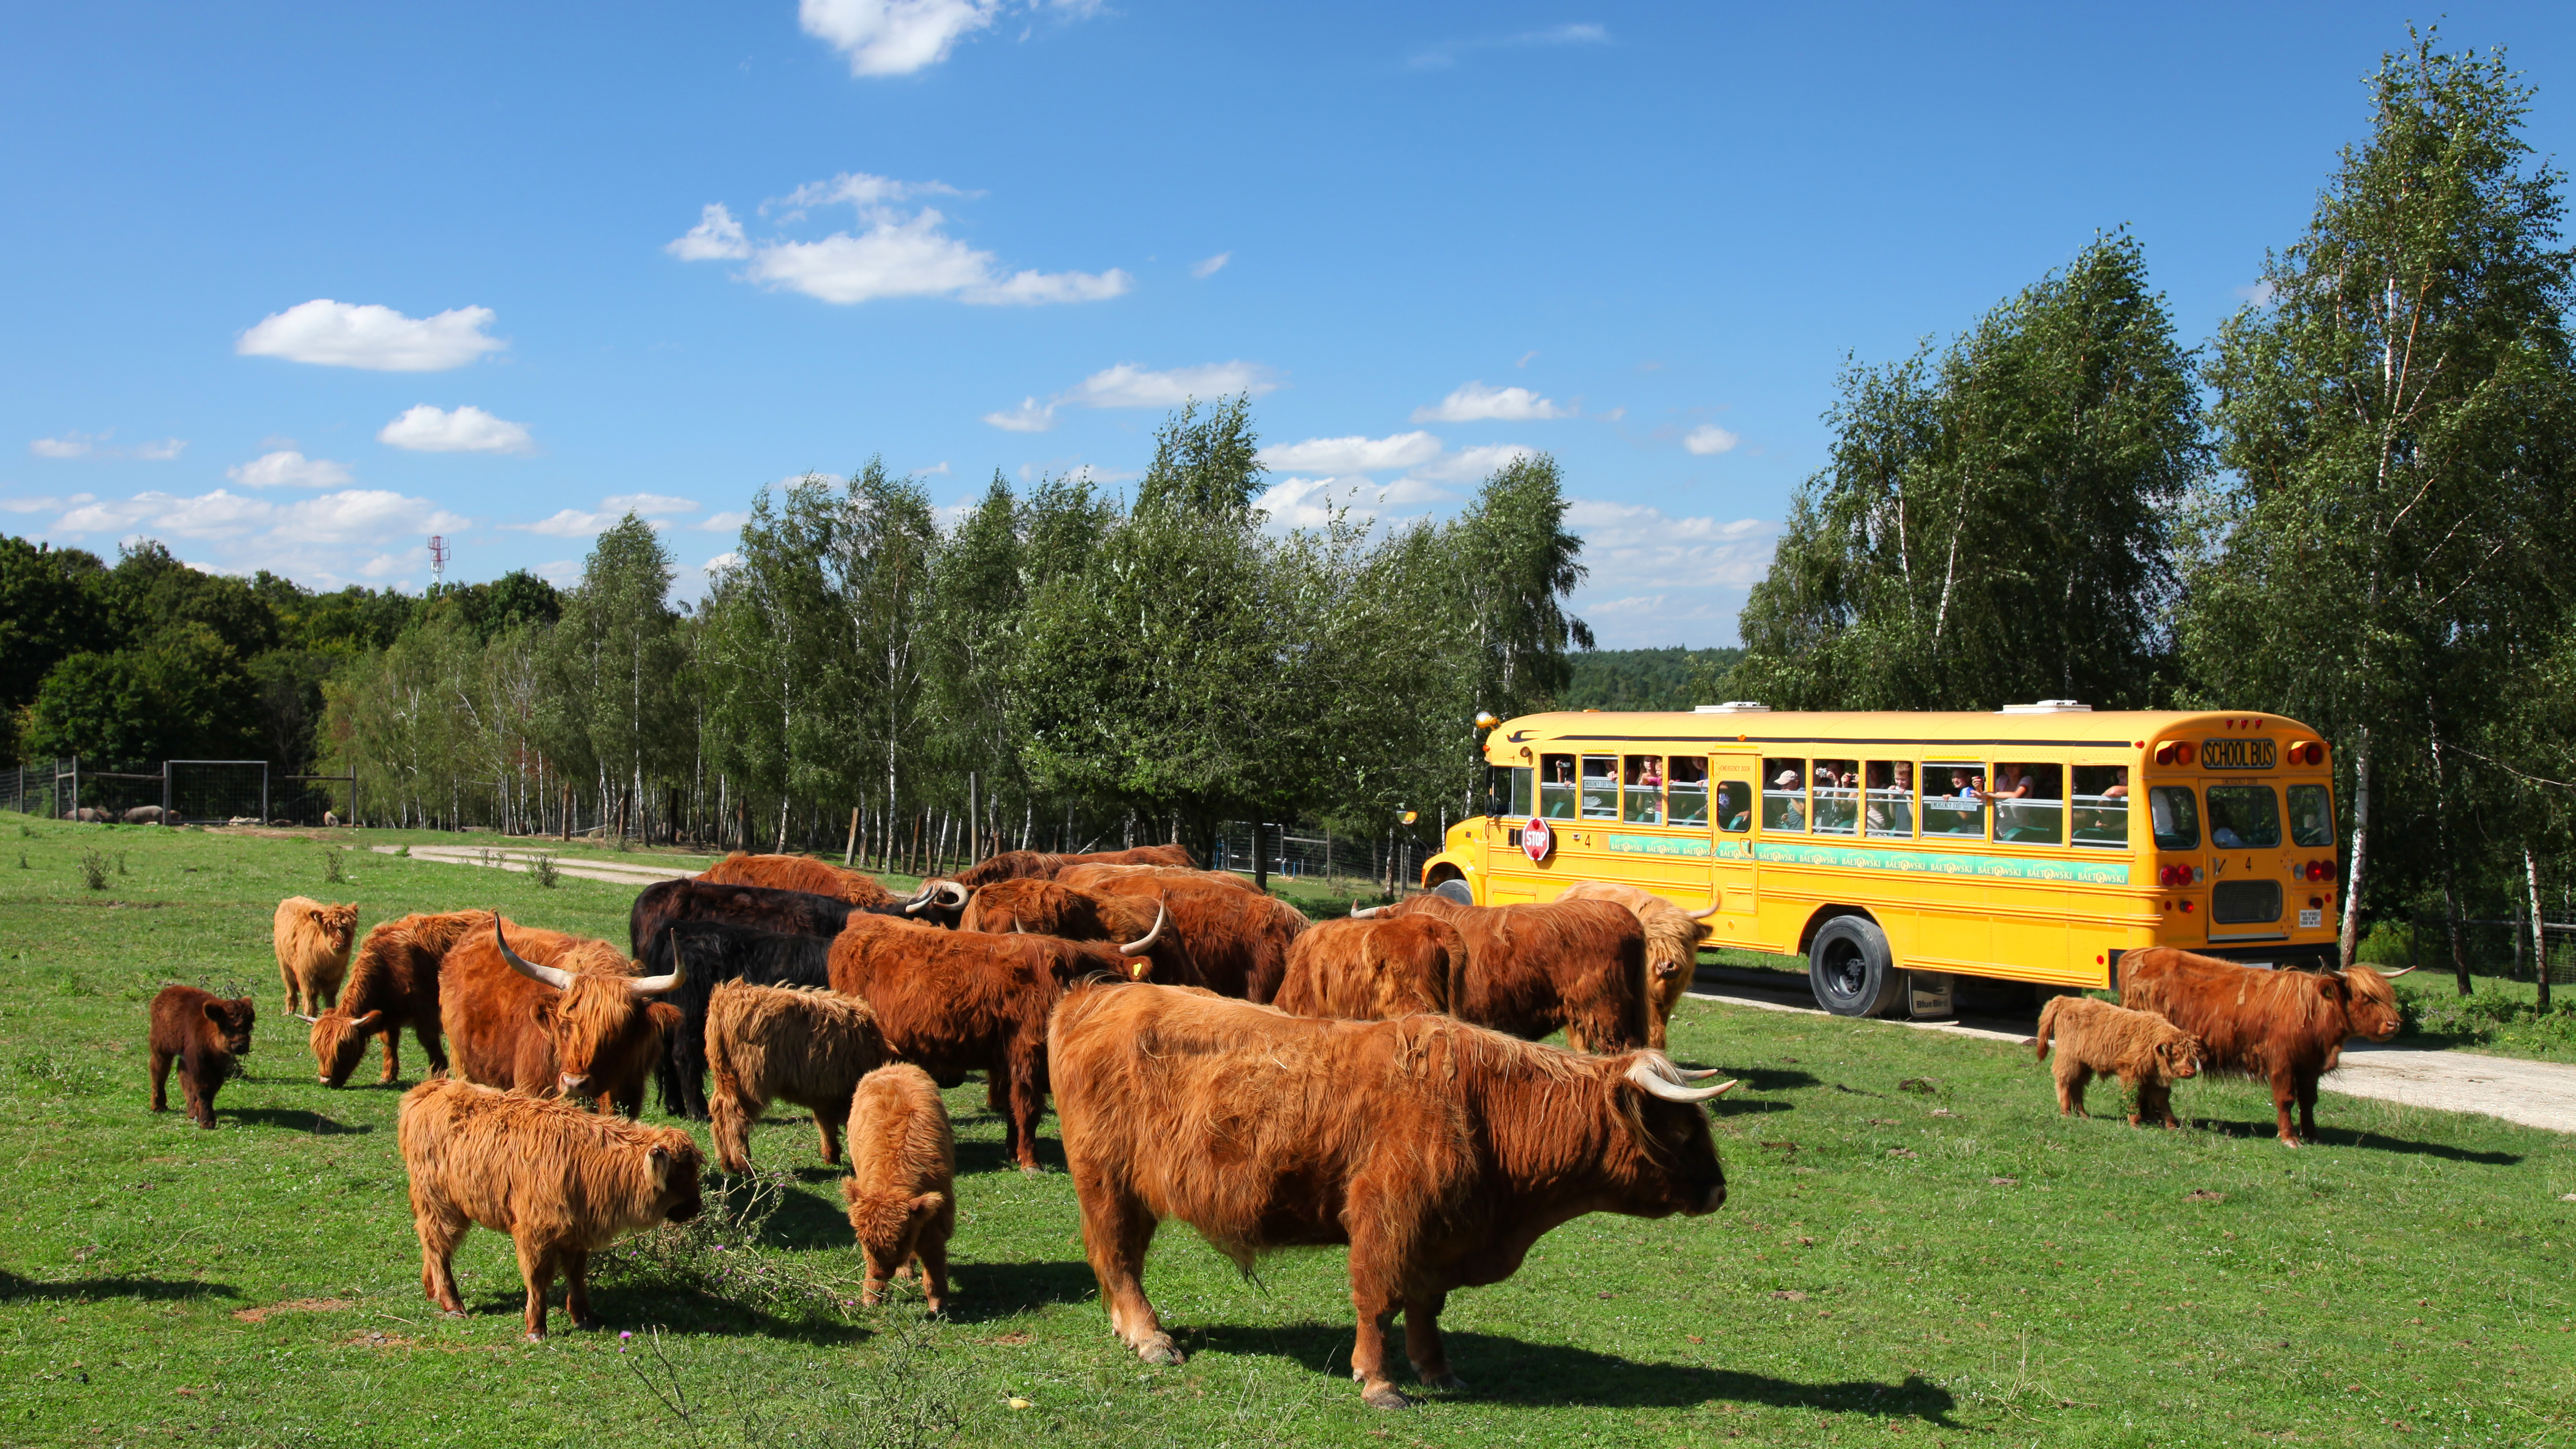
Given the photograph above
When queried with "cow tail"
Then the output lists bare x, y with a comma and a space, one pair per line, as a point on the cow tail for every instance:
2047, 1024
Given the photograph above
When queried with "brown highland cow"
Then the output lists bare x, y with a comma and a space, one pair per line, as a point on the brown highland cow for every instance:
901, 1188
313, 951
782, 1044
2146, 1052
393, 985
2284, 1027
203, 1034
800, 873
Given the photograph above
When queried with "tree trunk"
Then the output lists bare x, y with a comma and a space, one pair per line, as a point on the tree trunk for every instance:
2349, 940
2442, 839
850, 852
2539, 933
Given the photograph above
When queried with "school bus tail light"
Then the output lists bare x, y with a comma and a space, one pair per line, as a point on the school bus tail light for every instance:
2319, 870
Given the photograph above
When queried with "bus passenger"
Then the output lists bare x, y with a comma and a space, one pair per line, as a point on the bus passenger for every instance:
2118, 789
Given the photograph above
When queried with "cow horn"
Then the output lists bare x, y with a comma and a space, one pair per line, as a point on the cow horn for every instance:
656, 985
1138, 948
2393, 975
558, 979
1713, 901
1015, 925
1365, 913
1656, 1084
954, 895
300, 1016
919, 900
1697, 1074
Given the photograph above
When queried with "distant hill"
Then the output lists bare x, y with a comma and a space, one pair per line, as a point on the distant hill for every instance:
1639, 678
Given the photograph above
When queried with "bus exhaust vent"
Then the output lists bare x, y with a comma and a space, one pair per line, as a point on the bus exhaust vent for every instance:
2048, 706
1733, 706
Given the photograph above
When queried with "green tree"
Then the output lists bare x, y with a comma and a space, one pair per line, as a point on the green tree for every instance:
1993, 526
775, 685
620, 645
2394, 418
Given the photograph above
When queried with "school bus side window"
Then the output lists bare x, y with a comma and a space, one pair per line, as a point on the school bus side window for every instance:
2311, 816
1784, 795
1735, 806
1600, 787
1951, 806
1891, 798
2175, 816
1556, 787
1688, 789
2030, 803
1520, 791
1642, 790
2102, 805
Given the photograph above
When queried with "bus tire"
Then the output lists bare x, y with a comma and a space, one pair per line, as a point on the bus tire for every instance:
1456, 890
1850, 970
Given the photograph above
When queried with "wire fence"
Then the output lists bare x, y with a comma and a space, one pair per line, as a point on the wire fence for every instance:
2494, 948
178, 792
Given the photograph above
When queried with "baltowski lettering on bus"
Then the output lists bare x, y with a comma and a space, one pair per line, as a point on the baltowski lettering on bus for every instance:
2082, 872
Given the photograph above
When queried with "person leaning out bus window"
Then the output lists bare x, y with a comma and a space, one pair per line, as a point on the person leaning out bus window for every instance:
2118, 789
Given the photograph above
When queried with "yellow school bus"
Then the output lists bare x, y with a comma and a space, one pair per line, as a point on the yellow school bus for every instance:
1898, 850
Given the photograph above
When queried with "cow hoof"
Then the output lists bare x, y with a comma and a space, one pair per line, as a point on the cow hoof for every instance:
1384, 1396
2291, 1142
1446, 1383
1159, 1350
533, 1337
589, 1325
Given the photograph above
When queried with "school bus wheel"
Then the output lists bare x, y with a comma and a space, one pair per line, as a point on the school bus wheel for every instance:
1850, 970
1456, 889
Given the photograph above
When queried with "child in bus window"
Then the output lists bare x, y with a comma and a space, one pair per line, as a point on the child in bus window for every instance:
2118, 789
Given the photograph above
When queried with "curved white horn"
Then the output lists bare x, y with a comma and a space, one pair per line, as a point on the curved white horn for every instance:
300, 1016
1713, 902
915, 906
1015, 925
2393, 975
951, 894
656, 985
1697, 1074
559, 980
1139, 948
1366, 913
1656, 1084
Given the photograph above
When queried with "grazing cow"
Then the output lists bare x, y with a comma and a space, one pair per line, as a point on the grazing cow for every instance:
2146, 1052
799, 873
575, 1021
717, 952
1374, 970
1580, 965
2285, 1027
88, 815
1438, 1151
312, 952
1673, 939
901, 1188
203, 1034
330, 819
1039, 865
392, 985
1237, 937
951, 1002
778, 1044
563, 1183
1047, 908
144, 815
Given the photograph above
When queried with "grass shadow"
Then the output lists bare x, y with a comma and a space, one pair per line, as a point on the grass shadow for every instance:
296, 1118
687, 1310
996, 1156
1502, 1370
13, 1288
987, 1291
804, 1222
1729, 1107
1767, 1079
2349, 1137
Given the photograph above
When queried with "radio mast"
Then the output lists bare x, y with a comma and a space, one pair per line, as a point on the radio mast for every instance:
438, 552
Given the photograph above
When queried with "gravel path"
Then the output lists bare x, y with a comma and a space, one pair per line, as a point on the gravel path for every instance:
2534, 1094
638, 874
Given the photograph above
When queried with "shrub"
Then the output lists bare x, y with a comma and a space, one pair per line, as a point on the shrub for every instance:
332, 874
543, 868
2387, 943
93, 869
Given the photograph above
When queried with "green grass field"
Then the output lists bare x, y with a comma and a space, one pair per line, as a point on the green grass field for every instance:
1917, 1250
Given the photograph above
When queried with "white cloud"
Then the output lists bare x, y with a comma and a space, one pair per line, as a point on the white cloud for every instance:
1312, 502
725, 522
899, 37
1476, 402
1642, 545
1353, 455
1211, 266
1474, 465
42, 505
1028, 417
287, 468
654, 508
2258, 293
893, 254
1129, 386
341, 334
1445, 54
328, 540
426, 429
716, 237
95, 445
648, 505
568, 523
721, 562
1708, 440
938, 470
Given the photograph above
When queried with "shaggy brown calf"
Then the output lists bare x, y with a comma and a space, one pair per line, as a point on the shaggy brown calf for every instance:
951, 1002
800, 873
1580, 965
1038, 865
780, 1044
392, 985
203, 1034
569, 1018
2284, 1027
2146, 1052
901, 1188
1673, 939
1237, 937
1374, 970
312, 952
1047, 908
563, 1183
1437, 1151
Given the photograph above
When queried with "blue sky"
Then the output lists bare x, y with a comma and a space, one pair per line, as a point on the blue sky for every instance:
294, 287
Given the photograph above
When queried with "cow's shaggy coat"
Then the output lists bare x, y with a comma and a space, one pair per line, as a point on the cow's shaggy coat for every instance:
1237, 937
1374, 970
2146, 1052
951, 1002
1673, 939
393, 984
203, 1035
313, 952
713, 953
1439, 1152
563, 1183
1579, 965
1050, 908
901, 1188
599, 1038
1039, 865
2284, 1027
800, 873
778, 1044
